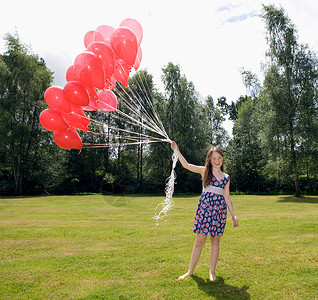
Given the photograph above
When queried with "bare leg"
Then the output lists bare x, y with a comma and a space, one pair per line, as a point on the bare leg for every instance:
196, 252
215, 247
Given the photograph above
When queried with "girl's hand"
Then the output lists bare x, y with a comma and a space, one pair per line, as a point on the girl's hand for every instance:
235, 221
173, 145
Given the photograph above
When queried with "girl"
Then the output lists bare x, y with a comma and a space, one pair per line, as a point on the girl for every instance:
210, 217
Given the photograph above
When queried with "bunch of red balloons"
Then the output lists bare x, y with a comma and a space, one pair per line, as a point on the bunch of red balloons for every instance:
109, 56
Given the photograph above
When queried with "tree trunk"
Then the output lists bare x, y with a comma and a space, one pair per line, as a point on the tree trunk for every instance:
20, 187
118, 156
291, 113
141, 154
138, 159
294, 161
18, 179
297, 188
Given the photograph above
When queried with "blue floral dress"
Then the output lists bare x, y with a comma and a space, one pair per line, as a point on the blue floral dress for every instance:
210, 218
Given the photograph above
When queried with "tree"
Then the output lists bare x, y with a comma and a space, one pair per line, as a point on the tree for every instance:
251, 82
24, 144
171, 79
186, 122
218, 134
290, 90
141, 89
244, 154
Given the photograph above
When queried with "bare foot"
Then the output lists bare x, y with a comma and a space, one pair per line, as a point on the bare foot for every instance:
184, 276
212, 276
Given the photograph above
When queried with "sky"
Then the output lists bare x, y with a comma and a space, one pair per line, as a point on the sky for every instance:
209, 39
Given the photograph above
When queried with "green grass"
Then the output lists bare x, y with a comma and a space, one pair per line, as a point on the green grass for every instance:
108, 247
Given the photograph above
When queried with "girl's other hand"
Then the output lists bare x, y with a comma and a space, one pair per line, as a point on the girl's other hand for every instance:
235, 221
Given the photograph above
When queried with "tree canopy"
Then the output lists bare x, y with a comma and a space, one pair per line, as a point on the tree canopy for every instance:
273, 147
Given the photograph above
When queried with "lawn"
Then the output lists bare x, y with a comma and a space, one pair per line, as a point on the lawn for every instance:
108, 247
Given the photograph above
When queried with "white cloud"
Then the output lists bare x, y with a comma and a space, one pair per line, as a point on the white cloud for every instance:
57, 63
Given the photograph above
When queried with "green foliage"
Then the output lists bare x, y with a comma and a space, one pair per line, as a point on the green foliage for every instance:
289, 95
25, 148
244, 153
275, 132
187, 123
218, 135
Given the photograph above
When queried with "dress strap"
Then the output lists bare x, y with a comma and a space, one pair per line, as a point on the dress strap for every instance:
213, 189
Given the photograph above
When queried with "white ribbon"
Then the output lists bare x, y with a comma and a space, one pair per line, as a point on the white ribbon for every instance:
168, 202
213, 189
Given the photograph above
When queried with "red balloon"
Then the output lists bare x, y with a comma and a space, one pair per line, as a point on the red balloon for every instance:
107, 100
138, 59
54, 98
135, 26
92, 36
106, 32
91, 91
106, 54
68, 139
88, 38
125, 45
121, 72
92, 105
76, 93
77, 121
110, 83
89, 68
52, 120
71, 75
78, 112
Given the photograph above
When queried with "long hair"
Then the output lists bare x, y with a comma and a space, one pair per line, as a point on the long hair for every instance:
207, 176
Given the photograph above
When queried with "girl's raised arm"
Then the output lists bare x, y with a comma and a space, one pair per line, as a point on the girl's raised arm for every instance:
185, 164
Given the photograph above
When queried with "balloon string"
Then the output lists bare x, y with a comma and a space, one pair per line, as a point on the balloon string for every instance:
88, 145
140, 135
151, 119
137, 121
168, 202
132, 122
151, 115
136, 137
138, 105
139, 110
143, 88
122, 119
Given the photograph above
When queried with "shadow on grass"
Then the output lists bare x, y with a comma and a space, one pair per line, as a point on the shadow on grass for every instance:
220, 290
120, 200
299, 199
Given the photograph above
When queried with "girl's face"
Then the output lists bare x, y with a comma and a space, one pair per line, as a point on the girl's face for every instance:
216, 160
